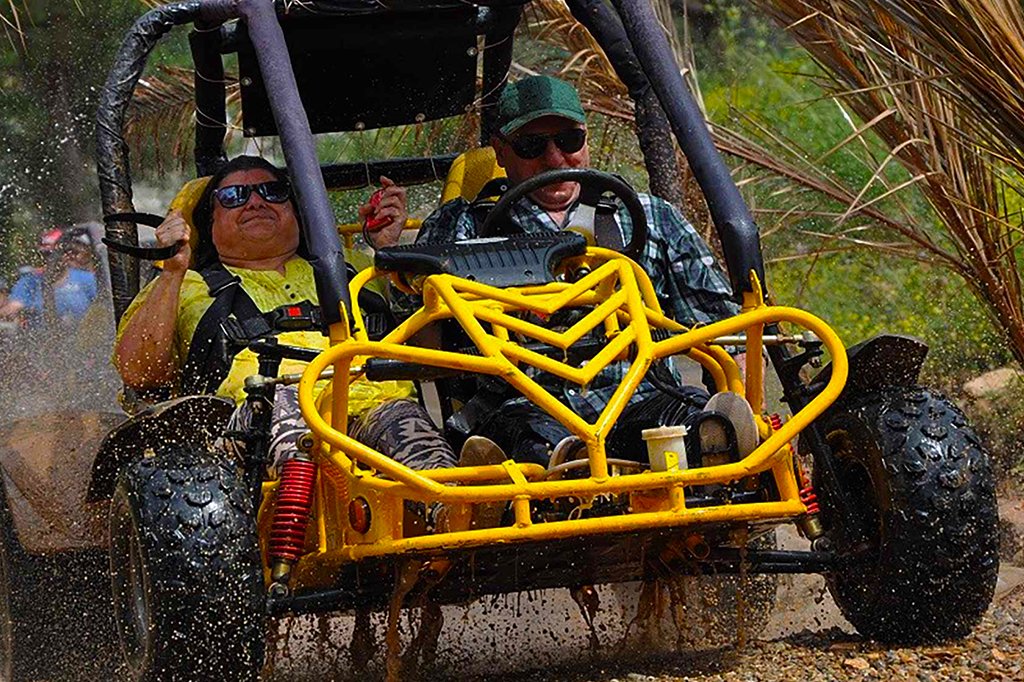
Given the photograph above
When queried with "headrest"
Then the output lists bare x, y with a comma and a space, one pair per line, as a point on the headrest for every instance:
469, 173
185, 201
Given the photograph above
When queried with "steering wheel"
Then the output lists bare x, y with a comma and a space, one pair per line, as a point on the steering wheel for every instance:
593, 185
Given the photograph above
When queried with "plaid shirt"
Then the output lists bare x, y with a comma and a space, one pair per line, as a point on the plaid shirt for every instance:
690, 286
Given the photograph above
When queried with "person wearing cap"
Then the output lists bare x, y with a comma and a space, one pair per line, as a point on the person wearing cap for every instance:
63, 289
5, 290
541, 126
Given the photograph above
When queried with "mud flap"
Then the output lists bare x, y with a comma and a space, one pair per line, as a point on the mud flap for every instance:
190, 421
884, 360
45, 462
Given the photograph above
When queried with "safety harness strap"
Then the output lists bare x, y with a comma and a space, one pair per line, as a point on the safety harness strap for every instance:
233, 320
210, 355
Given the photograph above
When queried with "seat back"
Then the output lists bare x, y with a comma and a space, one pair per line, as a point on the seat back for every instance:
469, 173
185, 201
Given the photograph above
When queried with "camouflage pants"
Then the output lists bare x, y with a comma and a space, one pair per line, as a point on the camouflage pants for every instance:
400, 429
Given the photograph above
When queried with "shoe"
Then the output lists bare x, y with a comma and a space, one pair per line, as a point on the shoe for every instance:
734, 409
481, 451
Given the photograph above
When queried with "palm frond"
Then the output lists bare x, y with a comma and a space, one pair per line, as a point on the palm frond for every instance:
163, 114
940, 85
11, 23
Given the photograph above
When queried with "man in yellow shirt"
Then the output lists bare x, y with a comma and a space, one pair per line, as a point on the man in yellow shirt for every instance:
248, 236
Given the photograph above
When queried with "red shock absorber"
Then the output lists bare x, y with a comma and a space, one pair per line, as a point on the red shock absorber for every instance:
809, 523
294, 502
807, 494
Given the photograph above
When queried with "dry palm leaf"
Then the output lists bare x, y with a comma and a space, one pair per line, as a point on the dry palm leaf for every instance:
162, 115
939, 83
11, 23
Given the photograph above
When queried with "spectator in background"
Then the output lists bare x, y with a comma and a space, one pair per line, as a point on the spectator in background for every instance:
5, 290
63, 289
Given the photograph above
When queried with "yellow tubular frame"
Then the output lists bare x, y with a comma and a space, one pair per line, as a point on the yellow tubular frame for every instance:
349, 231
625, 305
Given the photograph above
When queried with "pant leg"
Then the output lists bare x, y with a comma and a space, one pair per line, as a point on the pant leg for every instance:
286, 425
402, 430
524, 431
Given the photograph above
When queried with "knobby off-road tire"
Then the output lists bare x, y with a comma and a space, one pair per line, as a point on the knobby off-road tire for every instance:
185, 570
55, 612
924, 567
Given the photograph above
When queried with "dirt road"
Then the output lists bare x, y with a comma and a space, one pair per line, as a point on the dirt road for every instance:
543, 637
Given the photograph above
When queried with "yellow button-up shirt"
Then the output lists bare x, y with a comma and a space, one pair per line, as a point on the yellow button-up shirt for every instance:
268, 289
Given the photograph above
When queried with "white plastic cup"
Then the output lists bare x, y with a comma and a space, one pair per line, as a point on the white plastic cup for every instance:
666, 447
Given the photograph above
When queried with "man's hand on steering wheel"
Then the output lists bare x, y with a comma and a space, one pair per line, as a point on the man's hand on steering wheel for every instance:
593, 185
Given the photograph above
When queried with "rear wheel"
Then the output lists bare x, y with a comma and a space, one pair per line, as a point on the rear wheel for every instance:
919, 559
185, 570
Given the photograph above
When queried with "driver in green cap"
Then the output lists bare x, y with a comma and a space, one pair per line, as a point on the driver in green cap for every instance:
541, 126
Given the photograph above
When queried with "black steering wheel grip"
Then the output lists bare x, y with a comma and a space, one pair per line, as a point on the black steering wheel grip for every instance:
593, 183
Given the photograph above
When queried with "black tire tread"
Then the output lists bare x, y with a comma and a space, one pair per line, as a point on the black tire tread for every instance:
197, 527
937, 561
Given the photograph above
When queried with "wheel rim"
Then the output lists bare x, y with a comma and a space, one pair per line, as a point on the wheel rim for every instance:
130, 587
855, 477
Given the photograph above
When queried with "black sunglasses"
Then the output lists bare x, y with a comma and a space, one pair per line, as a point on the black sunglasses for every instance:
532, 146
233, 196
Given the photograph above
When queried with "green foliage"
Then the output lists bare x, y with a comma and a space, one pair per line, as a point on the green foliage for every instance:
861, 294
49, 87
730, 33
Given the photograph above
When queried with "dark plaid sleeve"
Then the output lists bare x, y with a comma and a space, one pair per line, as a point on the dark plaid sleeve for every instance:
688, 279
451, 222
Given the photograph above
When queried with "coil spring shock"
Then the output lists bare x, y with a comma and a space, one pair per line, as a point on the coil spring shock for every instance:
291, 517
807, 494
809, 523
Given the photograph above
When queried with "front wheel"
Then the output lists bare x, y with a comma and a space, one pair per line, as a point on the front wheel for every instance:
185, 570
919, 554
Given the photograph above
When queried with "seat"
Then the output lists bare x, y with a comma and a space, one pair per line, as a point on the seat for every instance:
185, 201
469, 172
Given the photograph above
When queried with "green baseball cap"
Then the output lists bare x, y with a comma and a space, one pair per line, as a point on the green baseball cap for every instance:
533, 97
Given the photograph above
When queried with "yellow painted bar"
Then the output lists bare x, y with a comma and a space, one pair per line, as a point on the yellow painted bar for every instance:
593, 434
556, 530
444, 296
484, 473
357, 228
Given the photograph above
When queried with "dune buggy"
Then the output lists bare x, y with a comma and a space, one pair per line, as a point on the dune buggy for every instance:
898, 508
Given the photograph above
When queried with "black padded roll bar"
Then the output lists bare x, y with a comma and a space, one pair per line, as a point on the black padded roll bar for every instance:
652, 128
326, 255
112, 152
741, 243
300, 153
211, 108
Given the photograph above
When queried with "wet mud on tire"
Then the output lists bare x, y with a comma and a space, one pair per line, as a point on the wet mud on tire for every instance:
185, 570
921, 558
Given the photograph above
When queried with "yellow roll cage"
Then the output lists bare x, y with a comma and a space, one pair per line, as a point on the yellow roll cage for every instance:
624, 306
